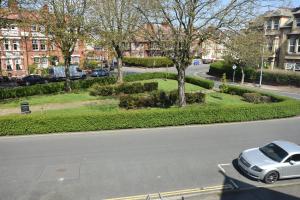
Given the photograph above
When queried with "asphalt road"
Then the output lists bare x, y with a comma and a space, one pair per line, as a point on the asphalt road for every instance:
128, 162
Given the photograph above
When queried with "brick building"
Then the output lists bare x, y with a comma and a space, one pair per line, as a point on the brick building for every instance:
24, 44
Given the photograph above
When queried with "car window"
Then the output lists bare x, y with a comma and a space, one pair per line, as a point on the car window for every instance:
295, 158
274, 152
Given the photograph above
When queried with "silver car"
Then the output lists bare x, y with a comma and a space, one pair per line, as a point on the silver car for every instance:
277, 160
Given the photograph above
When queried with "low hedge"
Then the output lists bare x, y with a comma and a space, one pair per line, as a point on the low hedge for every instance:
205, 83
275, 77
149, 62
51, 88
159, 99
145, 118
126, 88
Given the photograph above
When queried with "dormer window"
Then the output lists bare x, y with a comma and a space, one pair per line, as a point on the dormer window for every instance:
34, 28
276, 24
298, 22
269, 24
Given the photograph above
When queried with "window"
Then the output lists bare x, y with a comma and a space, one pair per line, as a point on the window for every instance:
298, 22
35, 45
8, 65
44, 61
33, 28
274, 152
36, 60
7, 44
270, 45
43, 45
276, 24
13, 27
292, 45
42, 29
295, 158
75, 59
18, 64
269, 24
16, 45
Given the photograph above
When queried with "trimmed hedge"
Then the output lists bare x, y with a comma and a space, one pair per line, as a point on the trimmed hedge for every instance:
269, 77
145, 118
149, 62
159, 99
51, 88
205, 83
126, 88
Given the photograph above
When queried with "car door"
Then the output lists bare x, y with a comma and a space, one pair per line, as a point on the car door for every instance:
291, 166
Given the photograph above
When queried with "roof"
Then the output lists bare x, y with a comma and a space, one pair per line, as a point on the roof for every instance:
289, 147
281, 12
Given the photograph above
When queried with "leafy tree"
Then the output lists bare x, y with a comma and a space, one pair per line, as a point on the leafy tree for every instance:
173, 25
115, 23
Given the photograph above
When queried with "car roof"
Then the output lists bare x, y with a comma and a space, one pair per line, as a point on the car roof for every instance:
289, 147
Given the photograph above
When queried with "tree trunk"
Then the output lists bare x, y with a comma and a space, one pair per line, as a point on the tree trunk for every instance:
181, 86
120, 74
67, 72
243, 76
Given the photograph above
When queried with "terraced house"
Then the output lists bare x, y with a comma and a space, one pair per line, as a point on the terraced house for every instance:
282, 28
23, 43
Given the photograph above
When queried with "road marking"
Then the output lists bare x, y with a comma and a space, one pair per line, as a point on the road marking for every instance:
220, 166
177, 193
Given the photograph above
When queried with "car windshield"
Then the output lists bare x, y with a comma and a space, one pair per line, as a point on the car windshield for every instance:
274, 152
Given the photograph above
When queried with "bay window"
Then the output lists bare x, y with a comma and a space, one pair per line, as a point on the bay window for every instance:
292, 45
18, 64
43, 45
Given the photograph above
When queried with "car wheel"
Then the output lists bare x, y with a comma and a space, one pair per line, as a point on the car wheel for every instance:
27, 83
271, 177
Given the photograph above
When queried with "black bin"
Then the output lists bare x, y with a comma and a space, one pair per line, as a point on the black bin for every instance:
25, 108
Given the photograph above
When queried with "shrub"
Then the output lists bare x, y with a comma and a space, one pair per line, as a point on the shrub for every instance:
252, 97
197, 97
224, 86
189, 79
153, 62
50, 88
148, 87
276, 77
125, 88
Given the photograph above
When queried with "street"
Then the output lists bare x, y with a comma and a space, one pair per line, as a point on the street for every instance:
110, 164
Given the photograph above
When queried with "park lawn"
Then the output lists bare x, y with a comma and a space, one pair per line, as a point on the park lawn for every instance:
49, 99
169, 85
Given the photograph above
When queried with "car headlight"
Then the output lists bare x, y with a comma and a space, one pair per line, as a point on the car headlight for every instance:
257, 169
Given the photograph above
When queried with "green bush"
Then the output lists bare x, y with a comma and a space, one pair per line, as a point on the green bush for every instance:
276, 77
50, 88
160, 99
236, 90
208, 84
144, 118
148, 87
153, 62
252, 97
125, 88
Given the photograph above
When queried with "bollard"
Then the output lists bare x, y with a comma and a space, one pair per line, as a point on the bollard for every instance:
25, 108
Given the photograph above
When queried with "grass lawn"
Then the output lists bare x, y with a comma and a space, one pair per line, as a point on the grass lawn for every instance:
109, 104
49, 99
169, 85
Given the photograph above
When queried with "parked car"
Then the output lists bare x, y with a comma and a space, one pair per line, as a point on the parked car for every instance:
274, 161
31, 80
100, 73
57, 73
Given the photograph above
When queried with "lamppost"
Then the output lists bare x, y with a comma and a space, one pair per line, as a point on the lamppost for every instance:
234, 68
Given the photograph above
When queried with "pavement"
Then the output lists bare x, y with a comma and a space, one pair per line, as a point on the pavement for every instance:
173, 161
201, 71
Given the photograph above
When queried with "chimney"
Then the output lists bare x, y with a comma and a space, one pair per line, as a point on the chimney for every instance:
13, 4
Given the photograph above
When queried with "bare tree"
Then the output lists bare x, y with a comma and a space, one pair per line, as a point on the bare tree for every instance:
65, 24
115, 24
175, 24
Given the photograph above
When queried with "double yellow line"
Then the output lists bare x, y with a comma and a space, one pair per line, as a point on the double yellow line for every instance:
177, 193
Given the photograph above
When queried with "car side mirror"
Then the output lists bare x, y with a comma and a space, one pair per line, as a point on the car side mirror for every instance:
292, 162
